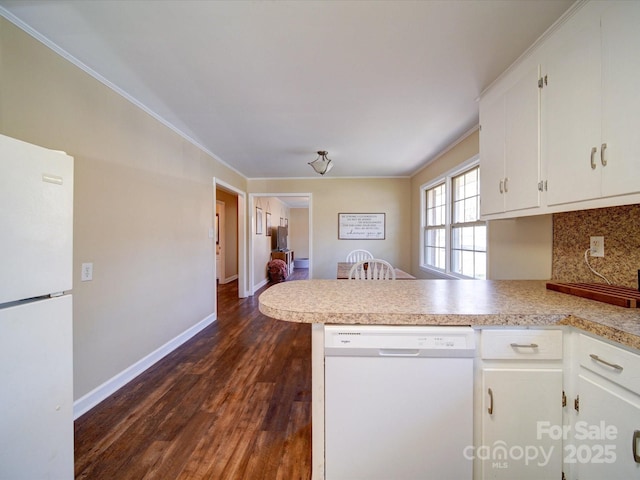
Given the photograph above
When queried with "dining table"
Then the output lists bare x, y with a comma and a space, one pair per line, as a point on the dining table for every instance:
345, 267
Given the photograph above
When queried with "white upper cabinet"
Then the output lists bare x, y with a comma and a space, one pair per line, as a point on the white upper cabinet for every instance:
509, 142
590, 104
492, 117
571, 111
572, 143
620, 25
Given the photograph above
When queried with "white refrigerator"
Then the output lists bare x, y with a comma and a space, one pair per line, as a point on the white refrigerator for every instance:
36, 360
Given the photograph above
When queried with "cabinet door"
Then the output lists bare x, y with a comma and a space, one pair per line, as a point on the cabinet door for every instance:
571, 112
523, 403
522, 152
492, 116
603, 435
621, 101
509, 143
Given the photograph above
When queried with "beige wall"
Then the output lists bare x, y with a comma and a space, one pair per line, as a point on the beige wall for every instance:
517, 249
142, 211
330, 196
520, 248
299, 232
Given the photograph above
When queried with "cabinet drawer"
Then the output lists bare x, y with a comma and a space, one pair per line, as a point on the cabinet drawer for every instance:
521, 344
614, 363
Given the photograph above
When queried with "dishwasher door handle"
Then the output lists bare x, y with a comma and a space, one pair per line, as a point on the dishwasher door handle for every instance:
398, 352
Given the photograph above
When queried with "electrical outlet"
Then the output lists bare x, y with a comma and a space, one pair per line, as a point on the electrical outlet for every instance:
86, 274
597, 247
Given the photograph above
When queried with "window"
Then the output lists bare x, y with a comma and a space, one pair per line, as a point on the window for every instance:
455, 240
435, 252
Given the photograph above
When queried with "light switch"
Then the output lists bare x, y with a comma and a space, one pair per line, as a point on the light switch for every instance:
87, 272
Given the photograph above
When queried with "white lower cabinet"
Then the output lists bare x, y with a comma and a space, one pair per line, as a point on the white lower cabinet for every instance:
606, 434
521, 405
606, 431
521, 409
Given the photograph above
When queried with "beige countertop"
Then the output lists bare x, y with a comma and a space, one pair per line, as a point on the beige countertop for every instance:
447, 302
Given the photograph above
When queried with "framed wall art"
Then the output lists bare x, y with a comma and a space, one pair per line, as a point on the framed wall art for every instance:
258, 221
361, 226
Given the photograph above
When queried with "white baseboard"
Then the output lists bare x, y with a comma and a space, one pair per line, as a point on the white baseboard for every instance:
229, 279
98, 394
259, 285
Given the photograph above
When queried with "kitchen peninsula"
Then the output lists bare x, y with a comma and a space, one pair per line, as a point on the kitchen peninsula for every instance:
476, 303
522, 313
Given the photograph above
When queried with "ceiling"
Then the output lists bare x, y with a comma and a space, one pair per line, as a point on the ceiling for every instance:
383, 86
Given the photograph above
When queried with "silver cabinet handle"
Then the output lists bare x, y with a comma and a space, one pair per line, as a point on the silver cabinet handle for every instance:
490, 409
520, 345
501, 186
608, 364
634, 448
506, 183
593, 160
603, 160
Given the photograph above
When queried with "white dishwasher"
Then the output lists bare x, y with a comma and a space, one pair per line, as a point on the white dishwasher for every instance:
398, 402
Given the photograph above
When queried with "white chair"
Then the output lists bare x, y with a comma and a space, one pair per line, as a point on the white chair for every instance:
357, 255
372, 269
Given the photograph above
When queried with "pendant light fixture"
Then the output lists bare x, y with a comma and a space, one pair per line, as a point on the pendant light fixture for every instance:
322, 164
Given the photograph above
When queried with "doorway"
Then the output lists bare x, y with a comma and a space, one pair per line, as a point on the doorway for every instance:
220, 227
230, 258
273, 209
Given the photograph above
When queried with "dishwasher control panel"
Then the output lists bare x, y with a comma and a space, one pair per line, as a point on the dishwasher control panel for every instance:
398, 340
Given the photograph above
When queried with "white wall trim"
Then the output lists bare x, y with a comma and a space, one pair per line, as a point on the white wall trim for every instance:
229, 279
100, 393
260, 285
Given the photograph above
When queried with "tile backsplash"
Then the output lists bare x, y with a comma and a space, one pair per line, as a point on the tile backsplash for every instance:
620, 227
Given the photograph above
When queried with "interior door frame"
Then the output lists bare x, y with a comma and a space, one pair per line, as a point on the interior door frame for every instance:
243, 287
220, 240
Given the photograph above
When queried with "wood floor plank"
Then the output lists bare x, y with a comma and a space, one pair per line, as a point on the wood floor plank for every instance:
234, 402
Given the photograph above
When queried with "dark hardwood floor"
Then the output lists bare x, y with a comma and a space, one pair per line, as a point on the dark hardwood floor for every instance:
234, 402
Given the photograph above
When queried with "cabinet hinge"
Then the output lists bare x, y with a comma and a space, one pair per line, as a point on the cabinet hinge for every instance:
576, 404
542, 82
564, 399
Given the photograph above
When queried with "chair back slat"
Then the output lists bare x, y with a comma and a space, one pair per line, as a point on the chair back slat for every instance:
372, 269
358, 255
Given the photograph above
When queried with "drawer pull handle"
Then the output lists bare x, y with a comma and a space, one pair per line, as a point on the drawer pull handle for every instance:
635, 438
521, 345
608, 364
593, 160
490, 409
